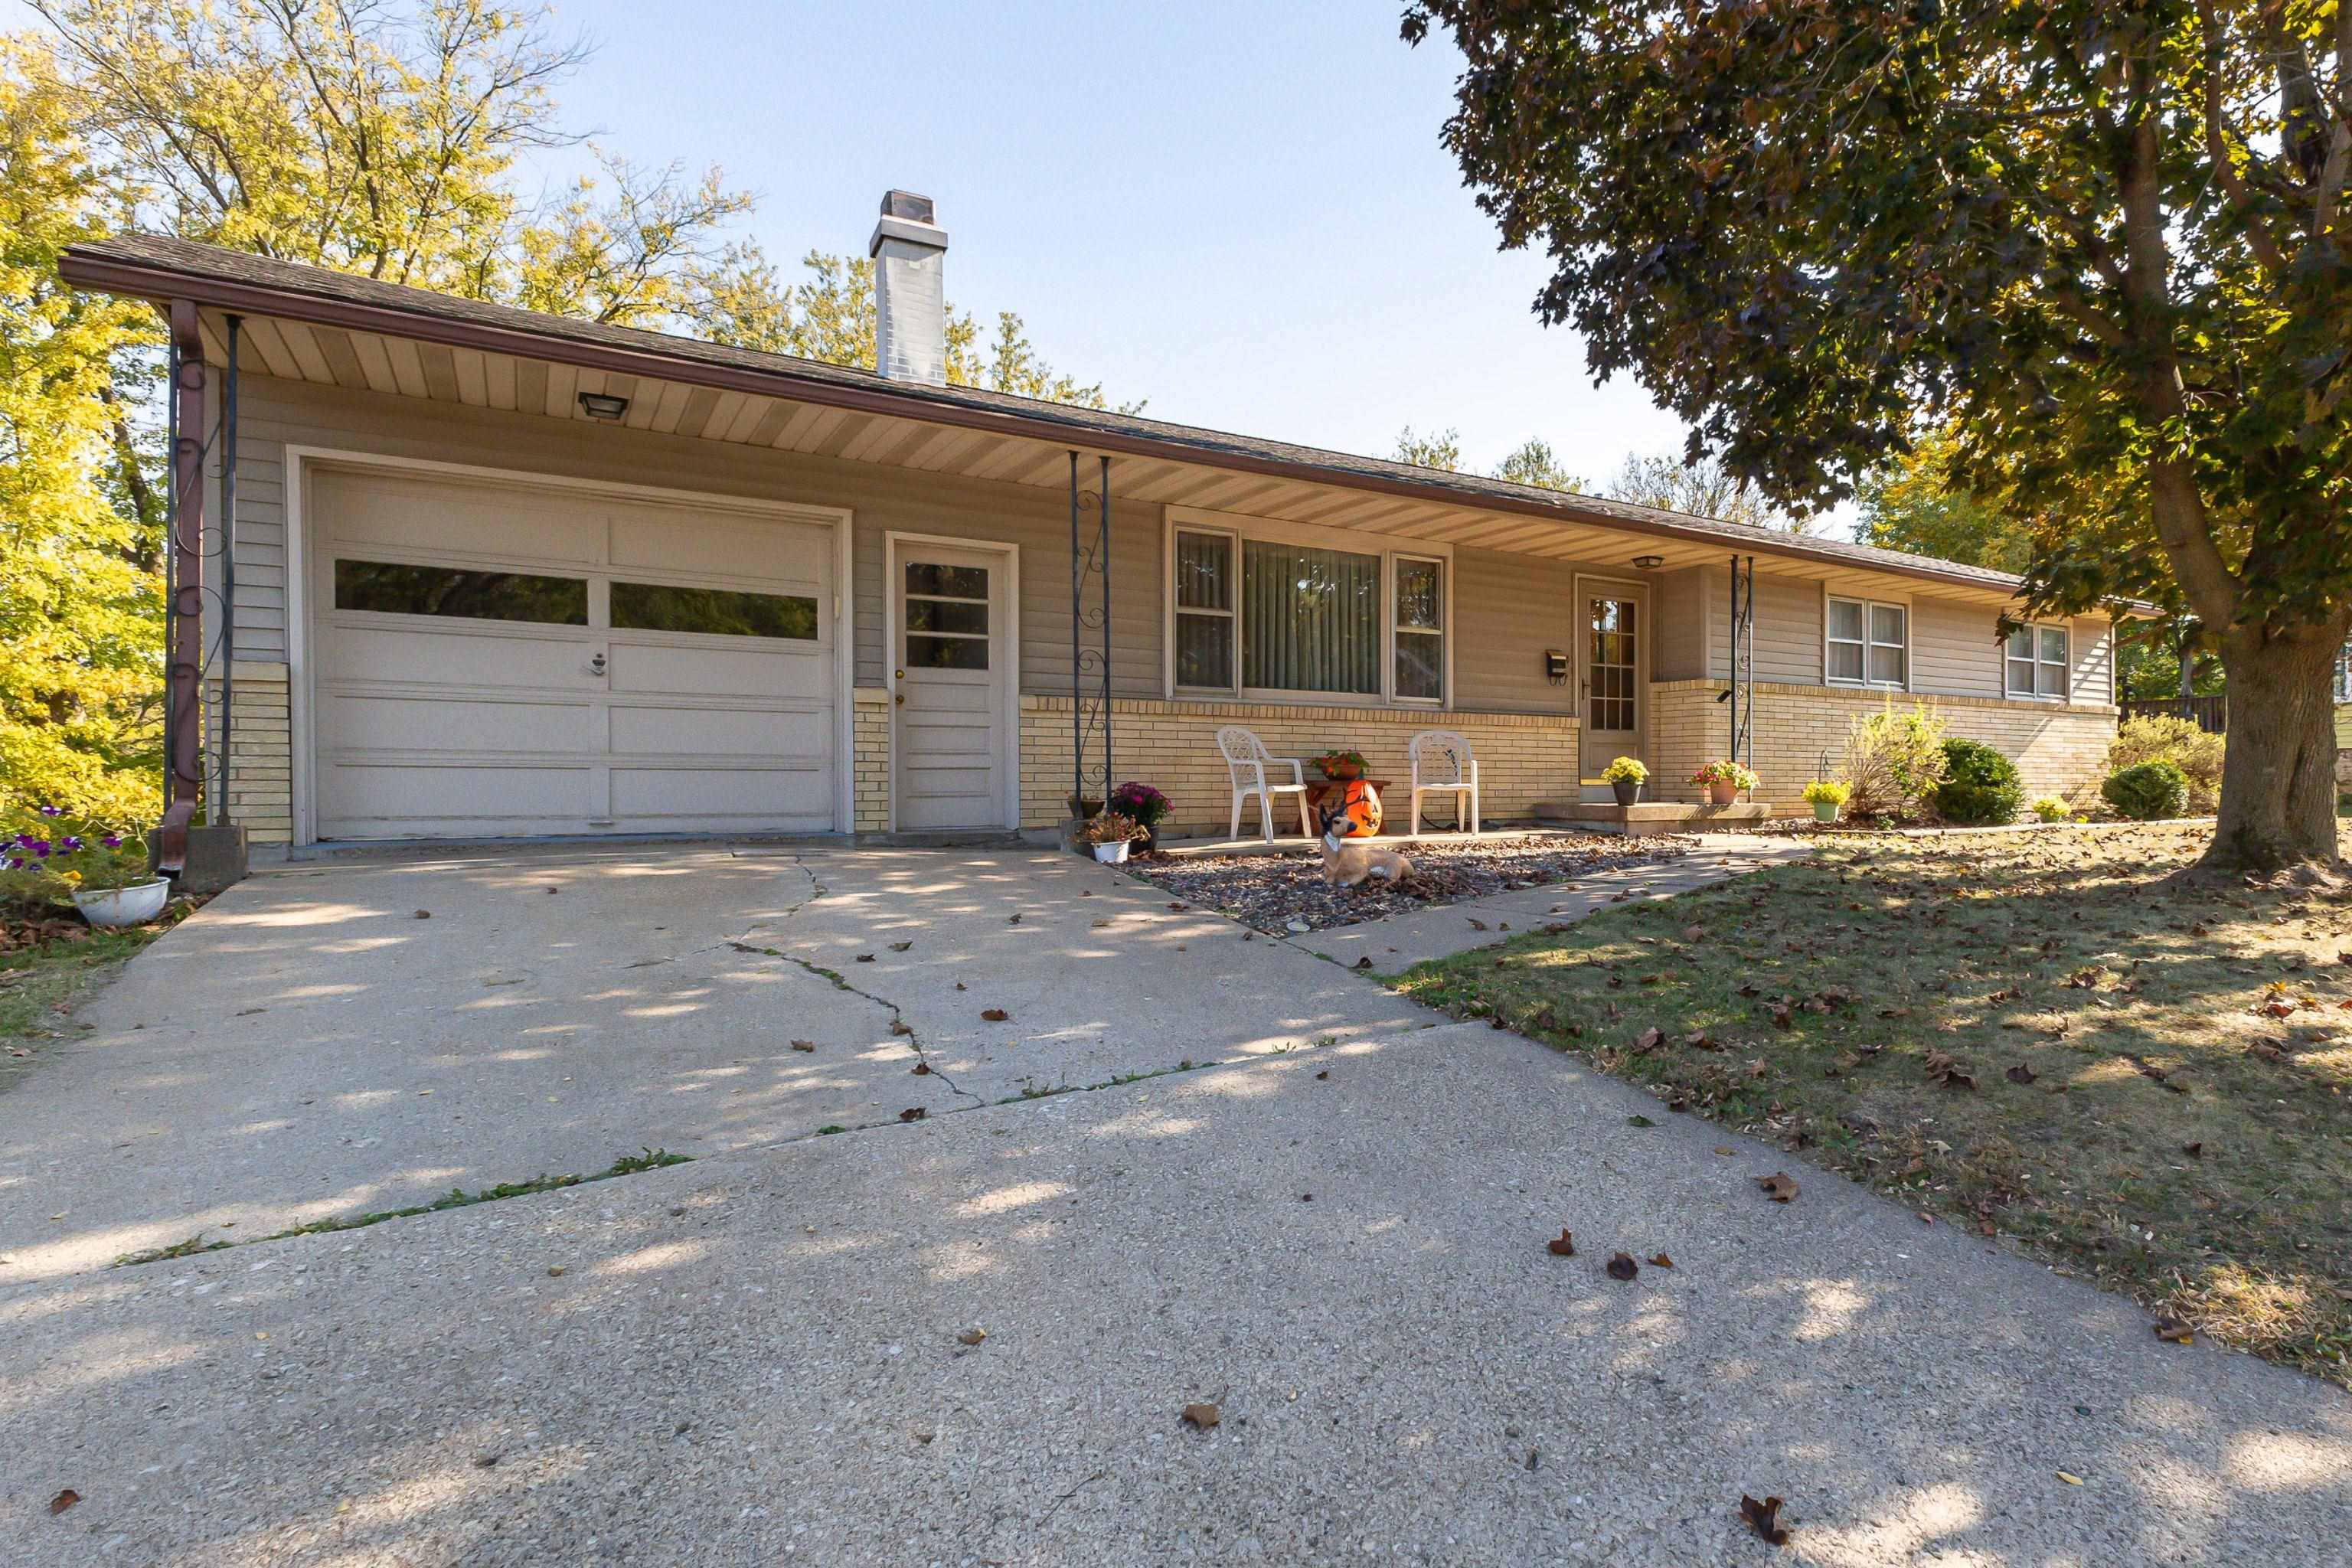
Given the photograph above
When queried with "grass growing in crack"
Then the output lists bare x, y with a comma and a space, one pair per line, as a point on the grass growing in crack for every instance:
456, 1198
2161, 1064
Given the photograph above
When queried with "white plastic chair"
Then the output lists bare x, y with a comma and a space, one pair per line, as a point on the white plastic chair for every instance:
1246, 760
1441, 764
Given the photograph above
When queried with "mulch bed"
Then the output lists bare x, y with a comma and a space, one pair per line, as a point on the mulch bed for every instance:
1273, 892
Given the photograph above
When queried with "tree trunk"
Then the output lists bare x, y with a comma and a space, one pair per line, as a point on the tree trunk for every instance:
2278, 775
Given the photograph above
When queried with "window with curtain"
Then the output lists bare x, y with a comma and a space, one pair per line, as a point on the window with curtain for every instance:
1310, 619
1204, 610
2037, 662
1868, 644
1253, 615
1420, 630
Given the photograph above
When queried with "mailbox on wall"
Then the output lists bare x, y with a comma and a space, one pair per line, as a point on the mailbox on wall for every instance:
1556, 666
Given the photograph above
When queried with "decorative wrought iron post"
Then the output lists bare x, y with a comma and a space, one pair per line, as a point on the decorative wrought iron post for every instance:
1089, 611
1743, 663
228, 643
184, 612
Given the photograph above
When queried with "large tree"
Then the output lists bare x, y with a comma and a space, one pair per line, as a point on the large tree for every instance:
2102, 240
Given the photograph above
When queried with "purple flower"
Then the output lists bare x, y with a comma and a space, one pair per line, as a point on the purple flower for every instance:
112, 841
25, 841
69, 843
39, 847
16, 864
53, 811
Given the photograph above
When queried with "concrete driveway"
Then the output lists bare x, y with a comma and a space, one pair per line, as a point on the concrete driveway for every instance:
309, 1046
763, 1358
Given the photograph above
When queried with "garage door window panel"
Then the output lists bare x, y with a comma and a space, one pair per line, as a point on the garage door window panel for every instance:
713, 612
395, 588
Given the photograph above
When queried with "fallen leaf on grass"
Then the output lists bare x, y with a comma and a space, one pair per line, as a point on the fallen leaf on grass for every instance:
1562, 1245
1649, 1039
1201, 1417
1780, 1186
994, 1015
2172, 1331
1943, 1068
2020, 1073
64, 1500
2194, 1150
1764, 1518
913, 1114
1622, 1267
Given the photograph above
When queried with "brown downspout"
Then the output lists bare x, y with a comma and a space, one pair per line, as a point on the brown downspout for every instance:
184, 623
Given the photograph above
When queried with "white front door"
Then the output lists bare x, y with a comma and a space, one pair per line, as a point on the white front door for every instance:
501, 659
952, 675
1613, 630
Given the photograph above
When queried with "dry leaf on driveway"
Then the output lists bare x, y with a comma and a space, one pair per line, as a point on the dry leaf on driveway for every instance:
994, 1015
64, 1500
1764, 1518
1201, 1416
1564, 1245
1779, 1186
913, 1114
1622, 1267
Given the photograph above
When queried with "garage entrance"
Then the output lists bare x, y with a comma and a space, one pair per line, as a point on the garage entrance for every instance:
508, 659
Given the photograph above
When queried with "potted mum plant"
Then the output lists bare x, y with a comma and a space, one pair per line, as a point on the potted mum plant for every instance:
1626, 775
1827, 797
1145, 806
1723, 779
104, 873
1112, 836
1341, 766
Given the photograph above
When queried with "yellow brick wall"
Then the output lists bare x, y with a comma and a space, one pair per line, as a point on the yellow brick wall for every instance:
1523, 758
260, 751
2058, 749
870, 734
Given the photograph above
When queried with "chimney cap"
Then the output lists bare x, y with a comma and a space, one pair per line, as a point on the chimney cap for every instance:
907, 205
909, 219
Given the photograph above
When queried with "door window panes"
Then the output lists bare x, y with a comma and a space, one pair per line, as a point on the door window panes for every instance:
946, 610
1609, 665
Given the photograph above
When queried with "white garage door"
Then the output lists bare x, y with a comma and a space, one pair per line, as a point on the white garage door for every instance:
502, 660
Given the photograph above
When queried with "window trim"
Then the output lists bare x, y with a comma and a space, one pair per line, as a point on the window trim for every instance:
2343, 684
1239, 527
2065, 692
1909, 644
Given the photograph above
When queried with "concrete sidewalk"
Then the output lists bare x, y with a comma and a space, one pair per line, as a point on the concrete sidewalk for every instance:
757, 1360
1396, 944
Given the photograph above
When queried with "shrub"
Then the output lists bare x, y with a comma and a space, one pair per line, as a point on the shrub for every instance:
2197, 754
1981, 786
2147, 792
1894, 758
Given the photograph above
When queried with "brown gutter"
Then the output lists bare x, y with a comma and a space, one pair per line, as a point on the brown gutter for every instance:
161, 286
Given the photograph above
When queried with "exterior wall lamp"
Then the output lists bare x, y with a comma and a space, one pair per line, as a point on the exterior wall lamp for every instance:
602, 406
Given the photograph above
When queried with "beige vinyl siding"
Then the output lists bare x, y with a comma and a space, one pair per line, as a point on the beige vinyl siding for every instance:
2091, 646
1952, 649
275, 415
1507, 609
1680, 650
1788, 627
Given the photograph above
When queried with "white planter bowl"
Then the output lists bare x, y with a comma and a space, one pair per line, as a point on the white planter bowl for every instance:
109, 908
1113, 854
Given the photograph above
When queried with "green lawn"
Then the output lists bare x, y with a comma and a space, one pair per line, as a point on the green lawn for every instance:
39, 987
2053, 1037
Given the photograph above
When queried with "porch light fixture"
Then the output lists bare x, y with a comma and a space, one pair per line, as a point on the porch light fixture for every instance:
1648, 563
602, 406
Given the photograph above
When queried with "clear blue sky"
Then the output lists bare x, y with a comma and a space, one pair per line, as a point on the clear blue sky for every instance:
1238, 212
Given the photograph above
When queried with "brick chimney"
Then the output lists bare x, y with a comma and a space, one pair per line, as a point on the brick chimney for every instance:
910, 313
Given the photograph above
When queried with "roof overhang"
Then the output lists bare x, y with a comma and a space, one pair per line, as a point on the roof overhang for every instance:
309, 324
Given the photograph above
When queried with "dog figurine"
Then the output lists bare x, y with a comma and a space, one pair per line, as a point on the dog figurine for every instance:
1348, 861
